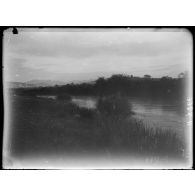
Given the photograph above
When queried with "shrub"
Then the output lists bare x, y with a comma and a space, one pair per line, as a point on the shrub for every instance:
85, 113
64, 97
114, 106
66, 110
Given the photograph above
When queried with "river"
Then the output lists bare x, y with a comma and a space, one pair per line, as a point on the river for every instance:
154, 113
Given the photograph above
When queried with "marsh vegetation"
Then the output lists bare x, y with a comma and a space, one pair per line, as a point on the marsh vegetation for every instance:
62, 124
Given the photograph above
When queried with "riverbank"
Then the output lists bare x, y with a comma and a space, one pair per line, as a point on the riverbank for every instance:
48, 127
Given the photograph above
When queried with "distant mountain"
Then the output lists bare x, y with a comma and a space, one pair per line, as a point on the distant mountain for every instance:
18, 85
44, 83
61, 79
34, 83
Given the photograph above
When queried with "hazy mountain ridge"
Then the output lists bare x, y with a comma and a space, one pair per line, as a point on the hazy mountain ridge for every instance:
18, 85
44, 83
34, 83
41, 83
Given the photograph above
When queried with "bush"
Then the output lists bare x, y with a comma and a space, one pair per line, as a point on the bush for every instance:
114, 106
64, 97
85, 113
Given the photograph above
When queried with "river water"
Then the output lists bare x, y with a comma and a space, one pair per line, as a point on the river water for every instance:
154, 113
163, 114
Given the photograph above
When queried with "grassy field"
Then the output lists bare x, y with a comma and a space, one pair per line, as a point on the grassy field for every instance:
45, 126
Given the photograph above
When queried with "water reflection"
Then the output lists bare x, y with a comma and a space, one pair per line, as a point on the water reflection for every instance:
85, 102
163, 114
47, 96
154, 114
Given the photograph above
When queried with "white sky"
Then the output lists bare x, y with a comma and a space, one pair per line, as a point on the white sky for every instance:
84, 54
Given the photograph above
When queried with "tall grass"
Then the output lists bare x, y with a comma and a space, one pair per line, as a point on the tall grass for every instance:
119, 130
116, 130
63, 126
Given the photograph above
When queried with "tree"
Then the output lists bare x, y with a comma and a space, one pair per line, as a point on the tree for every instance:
166, 78
181, 75
146, 76
100, 81
100, 85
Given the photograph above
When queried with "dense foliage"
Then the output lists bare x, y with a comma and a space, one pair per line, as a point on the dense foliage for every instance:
165, 87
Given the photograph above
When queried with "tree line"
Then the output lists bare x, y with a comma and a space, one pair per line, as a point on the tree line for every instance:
125, 85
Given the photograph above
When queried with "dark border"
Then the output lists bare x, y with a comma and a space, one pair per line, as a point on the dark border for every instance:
190, 29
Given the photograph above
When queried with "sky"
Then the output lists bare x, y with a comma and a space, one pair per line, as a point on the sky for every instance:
85, 54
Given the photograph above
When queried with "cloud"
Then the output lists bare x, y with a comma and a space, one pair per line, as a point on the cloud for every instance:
84, 52
85, 44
